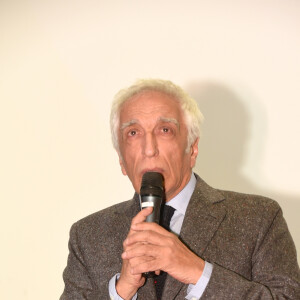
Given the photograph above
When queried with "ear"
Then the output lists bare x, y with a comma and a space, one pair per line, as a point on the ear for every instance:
122, 165
194, 152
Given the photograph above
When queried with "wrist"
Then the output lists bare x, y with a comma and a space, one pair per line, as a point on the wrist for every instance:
198, 270
125, 290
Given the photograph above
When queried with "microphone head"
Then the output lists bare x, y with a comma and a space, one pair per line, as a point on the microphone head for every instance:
152, 184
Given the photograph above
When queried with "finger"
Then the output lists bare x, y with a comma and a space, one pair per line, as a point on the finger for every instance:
144, 250
127, 247
139, 260
134, 263
142, 215
149, 237
150, 227
145, 266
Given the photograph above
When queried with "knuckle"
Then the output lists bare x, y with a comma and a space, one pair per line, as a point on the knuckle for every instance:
148, 265
125, 243
171, 242
168, 252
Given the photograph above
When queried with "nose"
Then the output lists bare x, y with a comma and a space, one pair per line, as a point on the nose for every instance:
150, 145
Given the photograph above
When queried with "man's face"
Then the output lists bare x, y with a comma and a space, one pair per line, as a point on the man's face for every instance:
153, 137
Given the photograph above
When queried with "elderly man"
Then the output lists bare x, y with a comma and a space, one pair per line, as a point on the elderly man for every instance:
216, 245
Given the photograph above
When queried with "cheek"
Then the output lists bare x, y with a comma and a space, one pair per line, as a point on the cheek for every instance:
130, 147
176, 153
179, 161
131, 162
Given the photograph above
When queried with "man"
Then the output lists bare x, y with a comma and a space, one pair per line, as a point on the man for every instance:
221, 245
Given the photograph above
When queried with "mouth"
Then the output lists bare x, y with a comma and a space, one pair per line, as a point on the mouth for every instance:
158, 170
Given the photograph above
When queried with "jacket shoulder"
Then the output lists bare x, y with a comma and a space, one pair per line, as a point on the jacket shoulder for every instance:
105, 221
249, 202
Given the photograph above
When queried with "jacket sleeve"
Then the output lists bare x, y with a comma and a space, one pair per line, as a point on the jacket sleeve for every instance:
275, 272
78, 282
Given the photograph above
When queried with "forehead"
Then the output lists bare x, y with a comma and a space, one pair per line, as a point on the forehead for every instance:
150, 105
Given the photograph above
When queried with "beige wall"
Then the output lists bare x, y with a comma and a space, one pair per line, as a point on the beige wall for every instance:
61, 62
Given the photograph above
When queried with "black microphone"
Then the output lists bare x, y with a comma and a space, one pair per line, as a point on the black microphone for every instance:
152, 194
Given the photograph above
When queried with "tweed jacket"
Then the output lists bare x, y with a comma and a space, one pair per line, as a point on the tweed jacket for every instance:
245, 237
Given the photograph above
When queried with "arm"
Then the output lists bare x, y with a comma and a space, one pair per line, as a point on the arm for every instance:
275, 272
92, 262
78, 283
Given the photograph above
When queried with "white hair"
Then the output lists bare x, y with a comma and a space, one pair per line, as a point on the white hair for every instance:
192, 115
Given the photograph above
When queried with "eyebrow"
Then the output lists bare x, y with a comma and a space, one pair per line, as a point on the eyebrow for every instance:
161, 119
127, 124
170, 120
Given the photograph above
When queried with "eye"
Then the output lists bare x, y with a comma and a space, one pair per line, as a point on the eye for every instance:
132, 133
166, 130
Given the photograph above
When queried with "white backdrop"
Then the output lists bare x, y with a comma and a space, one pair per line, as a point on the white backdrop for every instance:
61, 62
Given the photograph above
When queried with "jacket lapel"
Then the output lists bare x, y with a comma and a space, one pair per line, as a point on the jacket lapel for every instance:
203, 217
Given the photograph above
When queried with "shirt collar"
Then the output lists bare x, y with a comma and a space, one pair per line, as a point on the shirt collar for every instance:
181, 200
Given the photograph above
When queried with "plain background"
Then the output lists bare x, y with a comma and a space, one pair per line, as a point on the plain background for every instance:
61, 62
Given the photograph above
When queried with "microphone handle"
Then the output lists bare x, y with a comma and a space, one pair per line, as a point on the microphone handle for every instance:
152, 201
155, 202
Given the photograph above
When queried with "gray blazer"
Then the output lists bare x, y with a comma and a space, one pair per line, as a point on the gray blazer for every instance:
245, 237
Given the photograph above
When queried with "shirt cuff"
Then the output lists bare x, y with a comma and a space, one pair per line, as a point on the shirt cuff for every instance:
195, 292
112, 289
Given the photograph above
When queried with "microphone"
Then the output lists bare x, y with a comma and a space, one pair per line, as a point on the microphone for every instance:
152, 194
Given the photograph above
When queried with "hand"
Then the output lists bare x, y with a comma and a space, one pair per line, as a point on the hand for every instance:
150, 247
129, 282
